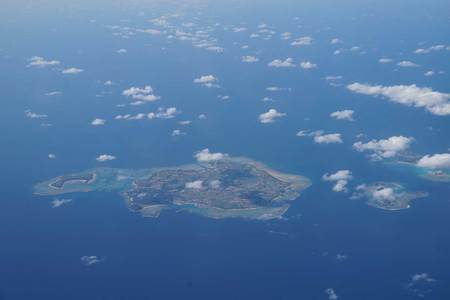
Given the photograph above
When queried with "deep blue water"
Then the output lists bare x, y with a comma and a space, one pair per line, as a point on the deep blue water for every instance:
182, 256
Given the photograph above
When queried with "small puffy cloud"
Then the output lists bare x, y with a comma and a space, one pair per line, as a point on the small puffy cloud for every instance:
144, 94
239, 29
320, 137
407, 64
202, 116
177, 132
307, 65
385, 60
302, 41
430, 49
105, 157
422, 277
385, 148
421, 284
162, 113
72, 71
346, 114
40, 62
121, 51
59, 202
435, 161
207, 81
277, 89
331, 294
51, 156
90, 260
108, 82
249, 59
286, 35
279, 63
33, 115
335, 41
435, 102
185, 122
206, 156
196, 185
331, 138
270, 116
98, 122
54, 93
340, 178
429, 73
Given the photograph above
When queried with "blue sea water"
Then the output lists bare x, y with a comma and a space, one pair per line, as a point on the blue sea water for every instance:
182, 256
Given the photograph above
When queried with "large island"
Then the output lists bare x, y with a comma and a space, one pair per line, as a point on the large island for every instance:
226, 188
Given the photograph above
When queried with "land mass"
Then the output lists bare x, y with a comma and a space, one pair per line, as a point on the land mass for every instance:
226, 188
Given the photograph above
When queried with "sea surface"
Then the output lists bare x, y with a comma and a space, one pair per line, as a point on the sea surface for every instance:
183, 256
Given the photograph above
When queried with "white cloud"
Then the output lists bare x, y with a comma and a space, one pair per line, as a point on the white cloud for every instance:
430, 49
177, 132
144, 94
98, 122
435, 161
385, 60
90, 260
270, 116
330, 138
383, 193
202, 116
346, 114
336, 41
33, 115
40, 62
435, 102
422, 277
320, 137
239, 29
307, 65
341, 179
207, 81
196, 185
277, 89
249, 59
54, 93
279, 63
108, 82
185, 122
429, 73
302, 41
162, 113
407, 64
72, 71
105, 157
286, 35
59, 202
385, 148
51, 156
331, 294
206, 156
121, 51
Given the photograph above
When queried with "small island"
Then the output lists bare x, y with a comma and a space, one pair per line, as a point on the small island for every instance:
387, 195
225, 188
